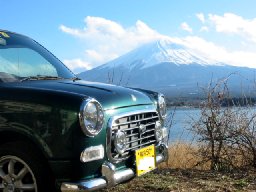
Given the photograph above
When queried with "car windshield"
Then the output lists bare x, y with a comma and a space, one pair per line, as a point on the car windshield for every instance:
21, 59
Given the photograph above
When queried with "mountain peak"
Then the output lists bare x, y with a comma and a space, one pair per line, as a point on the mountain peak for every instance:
165, 43
160, 51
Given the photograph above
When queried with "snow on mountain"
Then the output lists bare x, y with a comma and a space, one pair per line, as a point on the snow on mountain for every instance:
167, 67
160, 51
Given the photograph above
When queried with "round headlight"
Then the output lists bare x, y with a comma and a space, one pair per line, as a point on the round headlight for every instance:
120, 142
162, 106
91, 117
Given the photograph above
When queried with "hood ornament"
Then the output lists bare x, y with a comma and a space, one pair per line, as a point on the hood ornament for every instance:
133, 97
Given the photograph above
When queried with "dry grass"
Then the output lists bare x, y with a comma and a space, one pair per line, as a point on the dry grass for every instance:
183, 156
177, 180
180, 174
186, 156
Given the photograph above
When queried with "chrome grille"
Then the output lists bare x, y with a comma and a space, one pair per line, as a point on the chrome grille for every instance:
139, 129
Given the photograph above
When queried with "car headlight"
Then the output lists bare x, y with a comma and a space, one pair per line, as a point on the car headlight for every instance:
91, 117
162, 106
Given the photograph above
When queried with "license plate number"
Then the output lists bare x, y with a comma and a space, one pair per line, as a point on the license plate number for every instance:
145, 160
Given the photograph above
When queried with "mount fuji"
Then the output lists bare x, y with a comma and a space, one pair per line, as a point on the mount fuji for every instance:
170, 68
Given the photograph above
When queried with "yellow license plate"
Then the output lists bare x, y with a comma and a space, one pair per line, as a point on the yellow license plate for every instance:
145, 160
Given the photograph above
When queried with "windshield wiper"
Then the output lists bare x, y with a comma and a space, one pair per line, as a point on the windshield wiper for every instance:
75, 79
40, 77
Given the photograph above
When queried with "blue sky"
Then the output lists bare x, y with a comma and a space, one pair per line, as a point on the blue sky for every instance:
87, 33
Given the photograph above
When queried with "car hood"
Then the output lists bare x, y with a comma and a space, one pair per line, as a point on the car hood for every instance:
110, 96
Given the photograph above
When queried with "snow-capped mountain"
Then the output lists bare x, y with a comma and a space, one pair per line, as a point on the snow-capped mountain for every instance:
161, 51
168, 67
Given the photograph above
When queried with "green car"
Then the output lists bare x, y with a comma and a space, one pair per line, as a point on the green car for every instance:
60, 133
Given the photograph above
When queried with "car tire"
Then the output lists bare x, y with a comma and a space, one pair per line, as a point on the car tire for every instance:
22, 168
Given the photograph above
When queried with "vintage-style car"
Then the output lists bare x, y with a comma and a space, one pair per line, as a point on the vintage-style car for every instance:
60, 133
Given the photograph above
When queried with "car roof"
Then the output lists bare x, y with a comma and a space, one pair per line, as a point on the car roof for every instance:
6, 31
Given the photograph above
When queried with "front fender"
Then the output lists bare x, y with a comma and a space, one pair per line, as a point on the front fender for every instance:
49, 118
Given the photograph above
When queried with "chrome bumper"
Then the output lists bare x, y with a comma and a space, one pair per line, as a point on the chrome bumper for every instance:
110, 176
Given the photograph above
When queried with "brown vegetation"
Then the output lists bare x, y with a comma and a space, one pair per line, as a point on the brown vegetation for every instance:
179, 174
226, 136
183, 156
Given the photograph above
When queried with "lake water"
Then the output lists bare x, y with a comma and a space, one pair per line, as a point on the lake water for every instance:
182, 119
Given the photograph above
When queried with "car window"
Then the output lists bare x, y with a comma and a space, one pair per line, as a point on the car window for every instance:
24, 62
23, 59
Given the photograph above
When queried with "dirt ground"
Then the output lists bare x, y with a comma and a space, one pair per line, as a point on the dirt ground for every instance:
173, 180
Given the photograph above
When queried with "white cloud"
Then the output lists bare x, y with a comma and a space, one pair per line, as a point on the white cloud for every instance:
186, 27
204, 28
106, 39
100, 56
96, 26
94, 55
218, 53
77, 65
201, 17
234, 24
105, 34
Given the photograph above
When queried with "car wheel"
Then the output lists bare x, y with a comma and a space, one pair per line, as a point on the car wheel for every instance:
22, 169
